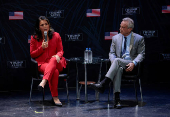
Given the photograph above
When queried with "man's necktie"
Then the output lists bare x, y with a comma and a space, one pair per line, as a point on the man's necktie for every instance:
124, 49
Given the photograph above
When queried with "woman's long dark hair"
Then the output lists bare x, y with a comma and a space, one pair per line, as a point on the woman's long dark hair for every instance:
37, 34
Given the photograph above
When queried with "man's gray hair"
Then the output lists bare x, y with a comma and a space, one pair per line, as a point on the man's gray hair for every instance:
131, 22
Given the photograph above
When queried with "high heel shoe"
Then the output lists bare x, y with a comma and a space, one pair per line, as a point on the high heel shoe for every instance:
57, 104
40, 88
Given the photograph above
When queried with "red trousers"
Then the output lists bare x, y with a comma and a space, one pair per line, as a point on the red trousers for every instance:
51, 70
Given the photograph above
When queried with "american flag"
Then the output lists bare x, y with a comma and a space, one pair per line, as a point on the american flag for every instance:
93, 13
29, 38
166, 9
18, 15
109, 35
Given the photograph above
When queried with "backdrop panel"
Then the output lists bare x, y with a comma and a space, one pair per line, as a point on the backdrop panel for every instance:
68, 17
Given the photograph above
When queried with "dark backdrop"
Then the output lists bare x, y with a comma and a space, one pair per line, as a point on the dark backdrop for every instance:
14, 34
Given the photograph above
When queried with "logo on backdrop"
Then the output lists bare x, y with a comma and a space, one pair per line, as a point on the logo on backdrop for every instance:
2, 40
130, 11
109, 35
17, 15
16, 64
55, 14
166, 9
74, 37
93, 13
149, 33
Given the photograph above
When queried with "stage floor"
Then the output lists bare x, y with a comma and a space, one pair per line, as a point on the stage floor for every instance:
156, 103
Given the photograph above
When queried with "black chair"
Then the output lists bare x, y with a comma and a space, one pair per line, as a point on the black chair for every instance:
37, 76
132, 76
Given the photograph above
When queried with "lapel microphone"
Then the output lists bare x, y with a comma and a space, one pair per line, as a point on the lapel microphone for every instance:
45, 35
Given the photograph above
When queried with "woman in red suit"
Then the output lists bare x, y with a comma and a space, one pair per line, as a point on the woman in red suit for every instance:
49, 55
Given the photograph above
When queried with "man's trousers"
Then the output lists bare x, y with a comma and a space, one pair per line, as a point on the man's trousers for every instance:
115, 72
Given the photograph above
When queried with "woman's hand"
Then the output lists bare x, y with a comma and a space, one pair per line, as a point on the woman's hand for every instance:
44, 44
57, 58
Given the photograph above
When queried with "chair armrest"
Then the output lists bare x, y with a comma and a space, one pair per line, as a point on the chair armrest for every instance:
34, 61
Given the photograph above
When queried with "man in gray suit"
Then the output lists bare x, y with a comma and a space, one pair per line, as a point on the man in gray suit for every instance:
126, 51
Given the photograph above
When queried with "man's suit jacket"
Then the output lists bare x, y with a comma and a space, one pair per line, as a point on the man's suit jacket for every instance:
137, 47
41, 55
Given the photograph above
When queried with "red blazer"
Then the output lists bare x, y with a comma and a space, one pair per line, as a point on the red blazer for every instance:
41, 55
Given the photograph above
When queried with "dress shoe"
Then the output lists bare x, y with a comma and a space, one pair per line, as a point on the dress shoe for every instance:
117, 104
40, 88
98, 87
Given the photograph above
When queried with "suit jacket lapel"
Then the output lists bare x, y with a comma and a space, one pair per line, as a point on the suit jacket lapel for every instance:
131, 41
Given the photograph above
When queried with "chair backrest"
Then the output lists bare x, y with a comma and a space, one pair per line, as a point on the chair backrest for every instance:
34, 69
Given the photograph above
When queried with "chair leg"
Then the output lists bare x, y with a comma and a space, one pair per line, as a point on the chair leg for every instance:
109, 93
136, 92
97, 95
43, 94
31, 89
79, 91
140, 90
67, 91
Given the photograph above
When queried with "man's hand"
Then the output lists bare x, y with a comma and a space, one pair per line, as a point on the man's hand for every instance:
57, 58
130, 67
